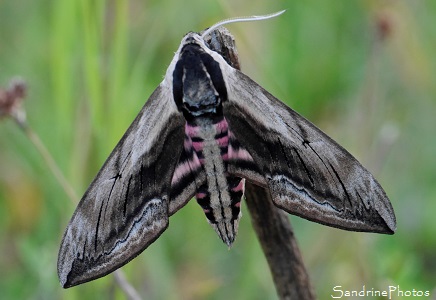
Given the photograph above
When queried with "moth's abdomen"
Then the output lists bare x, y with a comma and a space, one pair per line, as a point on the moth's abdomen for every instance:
208, 133
208, 139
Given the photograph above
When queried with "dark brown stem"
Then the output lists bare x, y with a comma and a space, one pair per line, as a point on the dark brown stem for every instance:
278, 242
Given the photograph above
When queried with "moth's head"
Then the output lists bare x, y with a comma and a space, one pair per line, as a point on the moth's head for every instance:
192, 47
192, 38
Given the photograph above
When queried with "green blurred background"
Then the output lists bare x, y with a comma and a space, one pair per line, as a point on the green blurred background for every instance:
363, 71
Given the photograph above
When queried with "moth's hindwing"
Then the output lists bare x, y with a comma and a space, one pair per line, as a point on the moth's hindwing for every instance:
126, 207
307, 173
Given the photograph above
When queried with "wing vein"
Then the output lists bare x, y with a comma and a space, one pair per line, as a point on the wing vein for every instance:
306, 169
342, 184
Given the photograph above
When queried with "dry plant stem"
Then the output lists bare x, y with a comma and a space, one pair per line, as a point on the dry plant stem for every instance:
34, 138
121, 280
278, 242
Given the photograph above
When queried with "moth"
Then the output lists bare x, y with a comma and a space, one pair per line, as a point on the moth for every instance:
205, 130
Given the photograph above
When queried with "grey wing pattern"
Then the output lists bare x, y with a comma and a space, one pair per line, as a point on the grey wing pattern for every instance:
307, 173
126, 207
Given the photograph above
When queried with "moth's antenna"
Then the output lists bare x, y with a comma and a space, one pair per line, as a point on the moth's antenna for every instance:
241, 19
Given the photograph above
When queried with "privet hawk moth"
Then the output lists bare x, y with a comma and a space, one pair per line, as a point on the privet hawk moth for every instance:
205, 130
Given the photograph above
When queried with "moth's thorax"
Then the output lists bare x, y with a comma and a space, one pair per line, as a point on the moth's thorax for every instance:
198, 84
221, 195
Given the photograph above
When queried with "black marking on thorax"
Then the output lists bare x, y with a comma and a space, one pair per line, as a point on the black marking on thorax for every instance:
198, 84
